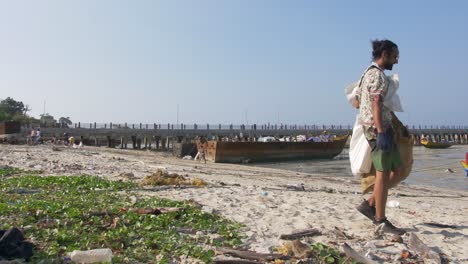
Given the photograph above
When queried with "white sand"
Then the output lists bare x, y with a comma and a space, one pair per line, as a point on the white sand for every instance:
272, 202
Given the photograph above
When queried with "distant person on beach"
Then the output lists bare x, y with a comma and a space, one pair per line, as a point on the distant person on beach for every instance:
376, 120
71, 141
65, 139
32, 136
38, 135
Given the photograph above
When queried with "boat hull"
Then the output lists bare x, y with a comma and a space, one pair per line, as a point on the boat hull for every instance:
241, 152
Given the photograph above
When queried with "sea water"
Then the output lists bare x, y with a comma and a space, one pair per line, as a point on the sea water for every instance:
432, 167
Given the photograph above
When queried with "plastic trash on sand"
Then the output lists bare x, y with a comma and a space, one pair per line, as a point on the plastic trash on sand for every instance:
393, 204
425, 205
92, 256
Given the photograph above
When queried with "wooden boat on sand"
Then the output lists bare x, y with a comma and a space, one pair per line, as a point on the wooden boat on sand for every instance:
246, 152
435, 145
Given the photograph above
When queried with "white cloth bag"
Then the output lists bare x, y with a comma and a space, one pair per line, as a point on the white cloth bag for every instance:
359, 149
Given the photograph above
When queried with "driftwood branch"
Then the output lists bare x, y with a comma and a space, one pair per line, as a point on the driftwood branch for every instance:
251, 255
297, 235
433, 196
235, 261
189, 231
142, 211
350, 252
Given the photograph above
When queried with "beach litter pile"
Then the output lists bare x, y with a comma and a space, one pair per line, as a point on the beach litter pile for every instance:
162, 177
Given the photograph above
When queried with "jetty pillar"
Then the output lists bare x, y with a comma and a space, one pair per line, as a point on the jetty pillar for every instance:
168, 142
139, 143
109, 141
163, 143
156, 141
134, 143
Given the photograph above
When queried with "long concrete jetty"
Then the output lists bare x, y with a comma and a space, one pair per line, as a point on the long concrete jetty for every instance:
181, 132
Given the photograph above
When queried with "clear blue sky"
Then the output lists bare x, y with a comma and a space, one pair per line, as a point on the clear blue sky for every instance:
225, 61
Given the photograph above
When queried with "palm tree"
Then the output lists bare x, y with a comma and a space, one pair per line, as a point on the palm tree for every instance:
65, 121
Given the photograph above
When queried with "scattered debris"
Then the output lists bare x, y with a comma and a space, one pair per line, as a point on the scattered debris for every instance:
91, 256
162, 177
54, 148
296, 187
440, 225
304, 233
340, 233
377, 244
127, 175
235, 261
393, 204
405, 254
142, 211
396, 238
350, 252
153, 211
251, 255
378, 231
300, 250
295, 249
198, 182
414, 243
327, 190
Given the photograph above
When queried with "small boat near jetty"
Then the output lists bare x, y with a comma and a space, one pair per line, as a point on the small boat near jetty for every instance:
246, 152
435, 145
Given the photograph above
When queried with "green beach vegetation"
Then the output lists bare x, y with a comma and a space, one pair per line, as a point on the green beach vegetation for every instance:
60, 214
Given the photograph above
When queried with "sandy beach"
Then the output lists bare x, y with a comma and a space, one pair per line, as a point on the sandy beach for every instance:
272, 202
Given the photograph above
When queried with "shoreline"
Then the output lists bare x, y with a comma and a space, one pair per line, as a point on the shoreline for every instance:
270, 202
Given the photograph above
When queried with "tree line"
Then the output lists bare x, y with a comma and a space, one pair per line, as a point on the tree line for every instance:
12, 110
